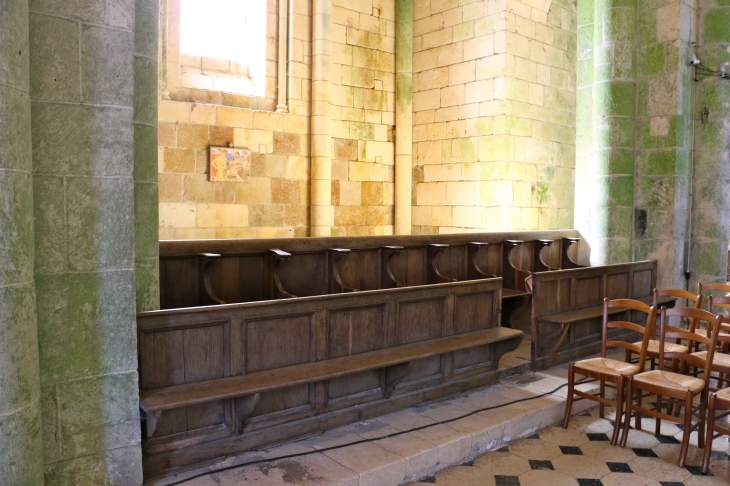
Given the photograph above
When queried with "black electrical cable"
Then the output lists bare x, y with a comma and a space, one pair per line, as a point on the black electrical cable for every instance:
395, 434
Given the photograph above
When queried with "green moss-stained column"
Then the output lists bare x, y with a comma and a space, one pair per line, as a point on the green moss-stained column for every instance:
403, 115
82, 72
664, 106
711, 184
21, 453
322, 211
610, 178
146, 207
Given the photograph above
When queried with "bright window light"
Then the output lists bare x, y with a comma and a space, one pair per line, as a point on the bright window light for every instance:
233, 30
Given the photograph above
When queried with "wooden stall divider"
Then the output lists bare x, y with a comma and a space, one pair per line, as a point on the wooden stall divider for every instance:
433, 275
335, 282
277, 257
474, 270
388, 279
539, 264
206, 260
565, 261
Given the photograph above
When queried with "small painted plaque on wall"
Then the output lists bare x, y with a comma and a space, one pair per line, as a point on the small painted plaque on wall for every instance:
230, 164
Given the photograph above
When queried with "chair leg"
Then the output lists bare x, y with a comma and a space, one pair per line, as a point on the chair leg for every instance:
658, 426
627, 414
710, 433
602, 406
701, 422
687, 430
637, 421
620, 388
569, 401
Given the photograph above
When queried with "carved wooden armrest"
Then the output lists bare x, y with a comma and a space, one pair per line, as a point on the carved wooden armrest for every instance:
387, 266
434, 249
473, 249
539, 264
565, 261
280, 256
338, 255
208, 259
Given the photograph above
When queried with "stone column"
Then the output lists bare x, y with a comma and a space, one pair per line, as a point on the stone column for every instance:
609, 179
21, 454
711, 184
403, 116
322, 211
82, 64
146, 200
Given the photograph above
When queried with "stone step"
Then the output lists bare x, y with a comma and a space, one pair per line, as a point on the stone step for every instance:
403, 446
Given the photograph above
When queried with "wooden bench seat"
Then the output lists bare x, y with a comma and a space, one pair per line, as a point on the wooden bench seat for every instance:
154, 401
597, 311
566, 319
510, 294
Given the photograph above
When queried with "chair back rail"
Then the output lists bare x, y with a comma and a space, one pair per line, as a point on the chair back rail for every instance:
646, 331
667, 331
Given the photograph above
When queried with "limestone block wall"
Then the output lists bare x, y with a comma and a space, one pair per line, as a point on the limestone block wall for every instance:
363, 116
274, 204
494, 115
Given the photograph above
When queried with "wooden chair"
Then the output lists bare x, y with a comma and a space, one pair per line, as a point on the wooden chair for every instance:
609, 370
681, 388
719, 399
652, 351
721, 360
713, 287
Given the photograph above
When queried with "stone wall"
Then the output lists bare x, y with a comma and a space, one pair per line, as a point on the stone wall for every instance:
494, 115
363, 116
82, 71
274, 204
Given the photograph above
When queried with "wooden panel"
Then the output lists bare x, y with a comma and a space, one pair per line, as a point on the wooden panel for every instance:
179, 281
472, 312
204, 360
253, 278
274, 343
644, 282
305, 274
588, 291
352, 332
419, 320
617, 285
177, 346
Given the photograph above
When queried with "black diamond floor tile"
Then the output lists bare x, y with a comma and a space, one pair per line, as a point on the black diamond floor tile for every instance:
695, 471
670, 483
666, 439
584, 414
544, 465
597, 437
645, 453
619, 467
571, 451
533, 436
468, 463
507, 480
428, 479
503, 449
680, 426
589, 482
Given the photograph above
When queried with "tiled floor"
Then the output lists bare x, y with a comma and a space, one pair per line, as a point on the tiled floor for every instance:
582, 456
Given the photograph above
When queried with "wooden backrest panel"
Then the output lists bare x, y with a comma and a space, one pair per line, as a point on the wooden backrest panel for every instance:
574, 289
188, 345
244, 271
